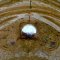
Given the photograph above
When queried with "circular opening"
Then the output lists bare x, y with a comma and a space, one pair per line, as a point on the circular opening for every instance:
29, 30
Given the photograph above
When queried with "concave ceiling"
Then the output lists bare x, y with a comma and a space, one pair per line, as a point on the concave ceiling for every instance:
44, 15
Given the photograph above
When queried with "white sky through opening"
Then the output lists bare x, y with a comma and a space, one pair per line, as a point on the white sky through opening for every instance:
29, 29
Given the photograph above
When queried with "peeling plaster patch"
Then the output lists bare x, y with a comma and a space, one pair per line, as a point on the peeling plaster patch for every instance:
58, 0
41, 54
19, 54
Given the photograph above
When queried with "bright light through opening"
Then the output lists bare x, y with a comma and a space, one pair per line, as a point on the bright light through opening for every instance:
29, 29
